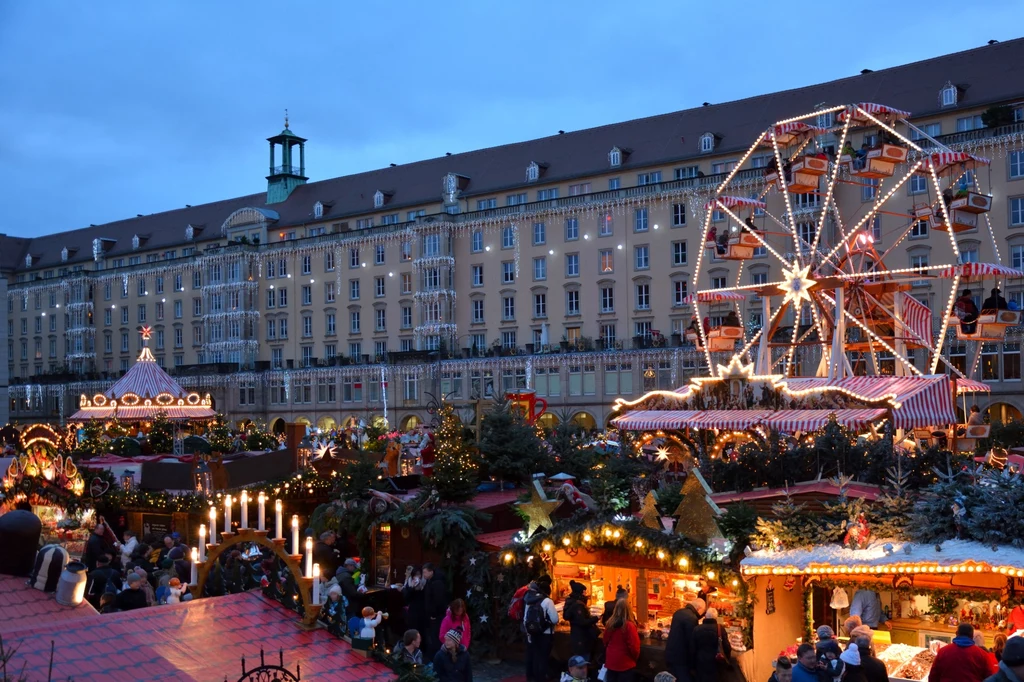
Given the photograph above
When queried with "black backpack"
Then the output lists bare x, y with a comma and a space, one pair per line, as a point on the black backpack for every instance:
536, 619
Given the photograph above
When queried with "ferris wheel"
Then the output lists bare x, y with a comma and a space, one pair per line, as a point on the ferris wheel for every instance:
814, 215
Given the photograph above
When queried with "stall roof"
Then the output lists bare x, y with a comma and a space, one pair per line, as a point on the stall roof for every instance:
203, 639
497, 498
23, 607
782, 420
498, 539
955, 556
816, 489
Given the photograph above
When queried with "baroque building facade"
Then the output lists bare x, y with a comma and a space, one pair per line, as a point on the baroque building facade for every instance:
560, 265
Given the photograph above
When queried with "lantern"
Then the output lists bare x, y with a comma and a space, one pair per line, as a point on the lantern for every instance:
203, 478
127, 480
304, 453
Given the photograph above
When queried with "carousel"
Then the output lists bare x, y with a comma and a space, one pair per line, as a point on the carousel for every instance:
841, 334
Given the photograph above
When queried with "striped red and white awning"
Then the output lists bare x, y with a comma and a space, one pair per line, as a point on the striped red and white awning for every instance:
918, 318
649, 420
877, 110
917, 400
940, 161
138, 413
966, 270
965, 385
789, 421
797, 128
735, 202
738, 420
713, 297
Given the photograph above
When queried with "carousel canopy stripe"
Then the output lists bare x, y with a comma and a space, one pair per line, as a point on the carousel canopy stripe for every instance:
648, 420
918, 317
735, 202
980, 270
923, 558
738, 420
943, 160
966, 385
789, 421
713, 297
873, 109
145, 379
143, 413
793, 127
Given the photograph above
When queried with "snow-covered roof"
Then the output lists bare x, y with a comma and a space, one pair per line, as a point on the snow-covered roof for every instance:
889, 556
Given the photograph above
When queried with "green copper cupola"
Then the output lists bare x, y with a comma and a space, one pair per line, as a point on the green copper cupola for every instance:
291, 172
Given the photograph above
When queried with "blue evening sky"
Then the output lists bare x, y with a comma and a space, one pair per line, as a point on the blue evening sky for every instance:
109, 109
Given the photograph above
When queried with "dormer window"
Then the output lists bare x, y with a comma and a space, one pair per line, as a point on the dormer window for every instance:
28, 260
615, 157
318, 210
135, 243
378, 199
532, 172
949, 95
64, 255
707, 143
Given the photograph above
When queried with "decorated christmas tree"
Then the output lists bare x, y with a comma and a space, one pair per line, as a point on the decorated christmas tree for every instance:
510, 448
92, 443
455, 473
161, 434
697, 514
790, 526
219, 436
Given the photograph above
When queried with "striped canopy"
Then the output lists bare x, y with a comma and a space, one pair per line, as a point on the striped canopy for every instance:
738, 420
796, 128
918, 318
965, 385
967, 270
917, 400
789, 421
735, 202
877, 110
713, 296
650, 420
940, 161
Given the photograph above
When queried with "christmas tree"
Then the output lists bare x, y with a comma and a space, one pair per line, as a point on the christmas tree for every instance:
697, 513
510, 448
996, 517
790, 526
649, 514
219, 436
161, 434
943, 509
892, 509
455, 473
92, 443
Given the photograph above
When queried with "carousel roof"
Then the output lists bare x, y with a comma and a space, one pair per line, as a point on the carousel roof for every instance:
145, 390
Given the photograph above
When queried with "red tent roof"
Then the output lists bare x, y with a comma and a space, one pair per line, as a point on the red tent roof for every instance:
23, 607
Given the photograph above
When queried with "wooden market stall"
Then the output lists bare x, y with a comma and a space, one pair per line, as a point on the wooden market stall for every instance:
925, 592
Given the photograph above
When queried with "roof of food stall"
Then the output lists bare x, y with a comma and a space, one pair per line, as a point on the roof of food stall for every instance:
889, 556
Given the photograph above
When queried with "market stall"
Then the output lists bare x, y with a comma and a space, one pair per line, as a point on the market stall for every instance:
924, 593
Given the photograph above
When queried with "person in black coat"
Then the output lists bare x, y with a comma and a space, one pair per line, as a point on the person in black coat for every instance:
582, 626
102, 578
412, 594
435, 602
707, 641
326, 554
131, 597
609, 606
96, 546
679, 645
451, 662
348, 587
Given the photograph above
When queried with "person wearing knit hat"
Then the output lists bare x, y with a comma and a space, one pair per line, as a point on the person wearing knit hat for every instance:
1011, 667
851, 656
451, 663
583, 632
874, 669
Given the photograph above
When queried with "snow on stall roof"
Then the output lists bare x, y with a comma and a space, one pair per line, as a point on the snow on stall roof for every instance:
954, 552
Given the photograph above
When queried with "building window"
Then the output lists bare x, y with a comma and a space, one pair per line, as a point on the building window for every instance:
477, 241
1017, 257
685, 172
406, 282
678, 292
919, 230
651, 178
929, 129
532, 172
707, 143
572, 229
484, 204
478, 310
869, 189
949, 95
508, 308
605, 224
406, 252
307, 326
572, 265
508, 237
329, 293
540, 268
606, 260
406, 317
607, 299
643, 296
615, 157
378, 255
353, 289
642, 257
969, 253
380, 319
1015, 162
572, 302
678, 254
516, 199
579, 189
678, 215
378, 287
547, 194
330, 324
614, 183
640, 220
307, 294
539, 234
718, 282
1017, 211
478, 275
508, 272
540, 305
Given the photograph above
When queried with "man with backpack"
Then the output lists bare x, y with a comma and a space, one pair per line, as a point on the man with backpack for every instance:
539, 620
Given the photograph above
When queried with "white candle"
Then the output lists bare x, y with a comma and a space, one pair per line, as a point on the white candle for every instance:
295, 534
202, 542
245, 510
213, 525
316, 583
309, 556
195, 567
278, 525
262, 520
227, 514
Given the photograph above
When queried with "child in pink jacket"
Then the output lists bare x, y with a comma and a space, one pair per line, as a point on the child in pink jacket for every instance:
456, 618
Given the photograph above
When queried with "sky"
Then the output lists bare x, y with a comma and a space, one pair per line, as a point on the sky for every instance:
110, 109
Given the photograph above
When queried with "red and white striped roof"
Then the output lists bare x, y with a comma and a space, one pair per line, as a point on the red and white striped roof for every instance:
917, 400
738, 420
713, 297
967, 270
789, 421
796, 128
918, 318
145, 379
877, 110
965, 385
784, 420
735, 202
940, 161
650, 420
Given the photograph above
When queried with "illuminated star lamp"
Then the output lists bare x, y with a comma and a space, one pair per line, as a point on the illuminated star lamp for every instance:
797, 285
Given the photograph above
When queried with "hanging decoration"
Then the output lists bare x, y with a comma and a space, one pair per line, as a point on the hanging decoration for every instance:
769, 598
537, 510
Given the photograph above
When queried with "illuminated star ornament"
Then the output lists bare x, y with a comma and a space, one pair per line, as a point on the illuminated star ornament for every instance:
538, 510
146, 331
797, 284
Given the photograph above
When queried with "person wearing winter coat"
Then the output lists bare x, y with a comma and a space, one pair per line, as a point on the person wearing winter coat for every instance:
806, 668
451, 663
609, 606
783, 670
962, 660
707, 641
621, 644
1011, 663
874, 669
537, 605
679, 645
852, 669
582, 626
412, 594
456, 618
347, 583
435, 602
97, 545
